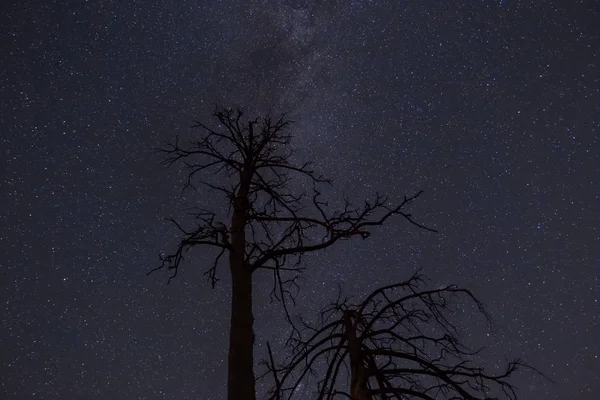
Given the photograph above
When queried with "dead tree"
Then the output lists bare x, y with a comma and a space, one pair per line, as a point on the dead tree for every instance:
270, 225
398, 343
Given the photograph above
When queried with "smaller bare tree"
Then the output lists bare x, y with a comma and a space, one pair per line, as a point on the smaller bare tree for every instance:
398, 343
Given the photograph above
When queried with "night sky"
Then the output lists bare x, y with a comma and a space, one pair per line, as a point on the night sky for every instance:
489, 106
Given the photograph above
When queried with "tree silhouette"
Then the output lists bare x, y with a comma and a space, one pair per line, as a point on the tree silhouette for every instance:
398, 343
271, 224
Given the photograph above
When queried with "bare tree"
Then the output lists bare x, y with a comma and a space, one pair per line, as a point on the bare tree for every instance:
398, 343
271, 224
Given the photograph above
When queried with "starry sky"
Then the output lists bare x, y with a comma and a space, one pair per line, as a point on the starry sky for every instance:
491, 107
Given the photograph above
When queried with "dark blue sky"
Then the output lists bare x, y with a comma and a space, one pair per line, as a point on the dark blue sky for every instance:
491, 107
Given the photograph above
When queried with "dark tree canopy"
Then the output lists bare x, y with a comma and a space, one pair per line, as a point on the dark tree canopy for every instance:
250, 163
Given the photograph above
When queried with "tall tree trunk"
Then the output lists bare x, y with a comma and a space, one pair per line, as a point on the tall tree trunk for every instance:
240, 380
358, 372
